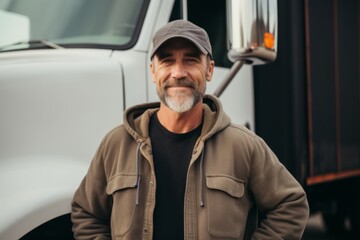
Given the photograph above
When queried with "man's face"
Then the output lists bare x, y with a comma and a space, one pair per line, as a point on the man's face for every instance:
180, 72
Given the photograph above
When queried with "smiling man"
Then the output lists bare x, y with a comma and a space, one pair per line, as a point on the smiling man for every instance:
180, 71
180, 169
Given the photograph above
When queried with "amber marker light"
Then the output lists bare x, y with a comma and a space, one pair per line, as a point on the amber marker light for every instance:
269, 40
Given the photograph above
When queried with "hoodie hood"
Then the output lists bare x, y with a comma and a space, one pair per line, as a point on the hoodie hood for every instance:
136, 119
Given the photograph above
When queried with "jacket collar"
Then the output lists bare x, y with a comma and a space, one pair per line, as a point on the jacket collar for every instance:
136, 119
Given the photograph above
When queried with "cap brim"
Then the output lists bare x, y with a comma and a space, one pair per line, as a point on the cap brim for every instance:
168, 37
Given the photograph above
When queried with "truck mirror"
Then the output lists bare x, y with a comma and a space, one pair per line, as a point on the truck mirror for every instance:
252, 27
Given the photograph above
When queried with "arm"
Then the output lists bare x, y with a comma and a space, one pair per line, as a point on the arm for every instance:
278, 195
91, 206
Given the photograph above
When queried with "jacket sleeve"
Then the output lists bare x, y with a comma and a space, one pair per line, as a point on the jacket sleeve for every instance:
278, 195
91, 206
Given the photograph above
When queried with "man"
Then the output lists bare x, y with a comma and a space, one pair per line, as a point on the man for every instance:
179, 169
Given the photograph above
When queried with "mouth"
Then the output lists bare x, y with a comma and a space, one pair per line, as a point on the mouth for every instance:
180, 85
179, 90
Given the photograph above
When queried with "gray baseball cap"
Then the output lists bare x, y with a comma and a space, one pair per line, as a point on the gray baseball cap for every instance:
182, 29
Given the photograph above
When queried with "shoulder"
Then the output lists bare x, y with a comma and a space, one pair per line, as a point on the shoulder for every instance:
240, 133
116, 144
241, 129
116, 133
234, 140
114, 138
243, 138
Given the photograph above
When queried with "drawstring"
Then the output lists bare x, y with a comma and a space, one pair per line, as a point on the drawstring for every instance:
201, 178
138, 177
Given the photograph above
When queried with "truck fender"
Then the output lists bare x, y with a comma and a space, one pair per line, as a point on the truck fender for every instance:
36, 190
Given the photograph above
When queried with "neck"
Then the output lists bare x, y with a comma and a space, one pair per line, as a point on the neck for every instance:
180, 122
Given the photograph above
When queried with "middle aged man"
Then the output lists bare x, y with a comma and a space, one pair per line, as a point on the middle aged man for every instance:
179, 169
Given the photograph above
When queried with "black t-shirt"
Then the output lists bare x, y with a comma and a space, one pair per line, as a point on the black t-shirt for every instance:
172, 153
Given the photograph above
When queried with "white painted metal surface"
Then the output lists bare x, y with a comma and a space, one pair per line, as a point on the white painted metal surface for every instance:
56, 106
36, 189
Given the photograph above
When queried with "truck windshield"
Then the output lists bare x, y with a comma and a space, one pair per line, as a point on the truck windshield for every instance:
78, 23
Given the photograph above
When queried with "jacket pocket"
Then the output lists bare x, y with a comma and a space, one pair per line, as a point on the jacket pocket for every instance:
226, 210
123, 190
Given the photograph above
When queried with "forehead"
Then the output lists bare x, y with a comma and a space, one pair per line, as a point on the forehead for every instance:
176, 44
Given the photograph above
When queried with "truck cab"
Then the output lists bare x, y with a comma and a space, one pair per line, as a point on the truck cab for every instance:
68, 70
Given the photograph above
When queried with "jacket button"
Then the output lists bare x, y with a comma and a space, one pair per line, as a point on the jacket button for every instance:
146, 231
151, 183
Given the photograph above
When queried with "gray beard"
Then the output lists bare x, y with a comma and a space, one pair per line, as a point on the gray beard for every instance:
180, 106
181, 102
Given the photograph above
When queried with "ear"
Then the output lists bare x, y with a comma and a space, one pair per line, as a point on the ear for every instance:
210, 70
152, 71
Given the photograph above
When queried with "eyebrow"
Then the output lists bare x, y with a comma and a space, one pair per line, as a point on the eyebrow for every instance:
162, 55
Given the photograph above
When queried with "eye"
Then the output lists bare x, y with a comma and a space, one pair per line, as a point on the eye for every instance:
167, 60
191, 60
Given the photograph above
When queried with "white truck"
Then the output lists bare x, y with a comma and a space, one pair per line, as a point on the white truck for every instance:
69, 68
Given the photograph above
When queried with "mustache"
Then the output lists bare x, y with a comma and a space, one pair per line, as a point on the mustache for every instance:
180, 83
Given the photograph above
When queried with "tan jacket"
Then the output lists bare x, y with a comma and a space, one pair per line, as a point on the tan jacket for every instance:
231, 169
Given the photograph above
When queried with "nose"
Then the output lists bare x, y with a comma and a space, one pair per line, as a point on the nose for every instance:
178, 71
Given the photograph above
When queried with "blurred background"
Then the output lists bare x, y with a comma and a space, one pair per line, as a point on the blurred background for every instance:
307, 102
